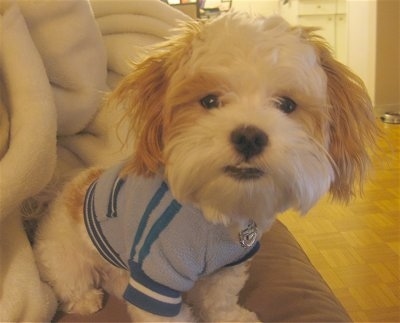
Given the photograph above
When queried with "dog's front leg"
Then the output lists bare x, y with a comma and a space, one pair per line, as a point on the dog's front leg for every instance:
138, 315
215, 298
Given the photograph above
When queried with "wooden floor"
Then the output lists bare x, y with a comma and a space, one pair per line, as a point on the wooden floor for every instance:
356, 247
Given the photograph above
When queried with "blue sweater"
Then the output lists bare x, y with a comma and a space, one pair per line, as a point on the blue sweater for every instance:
136, 224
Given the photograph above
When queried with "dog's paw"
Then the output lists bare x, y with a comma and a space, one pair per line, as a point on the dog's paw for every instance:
247, 316
90, 302
237, 315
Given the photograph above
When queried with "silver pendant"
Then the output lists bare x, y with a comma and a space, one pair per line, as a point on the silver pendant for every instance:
248, 236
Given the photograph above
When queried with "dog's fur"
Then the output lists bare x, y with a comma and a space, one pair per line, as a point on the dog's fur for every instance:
251, 66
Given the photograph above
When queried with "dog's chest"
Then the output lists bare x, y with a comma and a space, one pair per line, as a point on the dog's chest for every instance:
137, 221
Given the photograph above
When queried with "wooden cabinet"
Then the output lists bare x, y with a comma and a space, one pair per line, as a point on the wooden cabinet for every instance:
329, 15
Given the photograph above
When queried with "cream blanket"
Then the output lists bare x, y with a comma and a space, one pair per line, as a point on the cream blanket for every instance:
57, 59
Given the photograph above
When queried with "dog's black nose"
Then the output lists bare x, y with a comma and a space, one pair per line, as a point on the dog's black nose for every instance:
249, 141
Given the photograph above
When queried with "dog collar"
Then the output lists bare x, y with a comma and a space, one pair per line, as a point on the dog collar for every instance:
248, 236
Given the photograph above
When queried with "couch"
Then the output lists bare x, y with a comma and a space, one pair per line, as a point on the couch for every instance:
283, 287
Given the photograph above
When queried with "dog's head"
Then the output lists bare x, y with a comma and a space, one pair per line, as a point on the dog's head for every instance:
248, 116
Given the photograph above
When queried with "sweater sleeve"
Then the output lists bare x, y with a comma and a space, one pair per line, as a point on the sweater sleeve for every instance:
147, 294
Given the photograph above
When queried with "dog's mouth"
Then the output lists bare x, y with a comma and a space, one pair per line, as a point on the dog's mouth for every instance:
243, 172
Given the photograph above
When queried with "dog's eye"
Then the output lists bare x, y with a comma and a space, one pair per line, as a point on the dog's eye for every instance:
210, 101
287, 105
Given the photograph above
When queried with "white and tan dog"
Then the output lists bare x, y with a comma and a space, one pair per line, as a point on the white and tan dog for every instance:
236, 120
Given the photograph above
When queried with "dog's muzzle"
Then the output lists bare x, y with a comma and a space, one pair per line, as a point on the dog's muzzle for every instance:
248, 142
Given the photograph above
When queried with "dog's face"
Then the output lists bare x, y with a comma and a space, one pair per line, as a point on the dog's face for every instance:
247, 116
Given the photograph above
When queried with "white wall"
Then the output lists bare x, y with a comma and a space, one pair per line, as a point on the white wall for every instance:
265, 7
387, 67
361, 35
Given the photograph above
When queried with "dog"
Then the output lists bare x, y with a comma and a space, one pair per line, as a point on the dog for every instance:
235, 120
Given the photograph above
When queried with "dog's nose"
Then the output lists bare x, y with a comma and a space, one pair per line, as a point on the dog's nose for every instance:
249, 141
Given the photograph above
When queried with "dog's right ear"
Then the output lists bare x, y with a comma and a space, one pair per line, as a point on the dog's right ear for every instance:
141, 95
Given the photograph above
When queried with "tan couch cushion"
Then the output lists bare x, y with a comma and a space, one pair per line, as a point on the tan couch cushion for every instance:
285, 287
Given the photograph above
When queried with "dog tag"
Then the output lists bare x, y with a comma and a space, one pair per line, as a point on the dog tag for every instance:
248, 236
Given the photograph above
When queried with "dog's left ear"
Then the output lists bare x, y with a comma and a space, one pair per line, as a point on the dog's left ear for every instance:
353, 129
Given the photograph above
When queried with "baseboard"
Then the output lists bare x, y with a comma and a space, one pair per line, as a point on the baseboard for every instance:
380, 109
